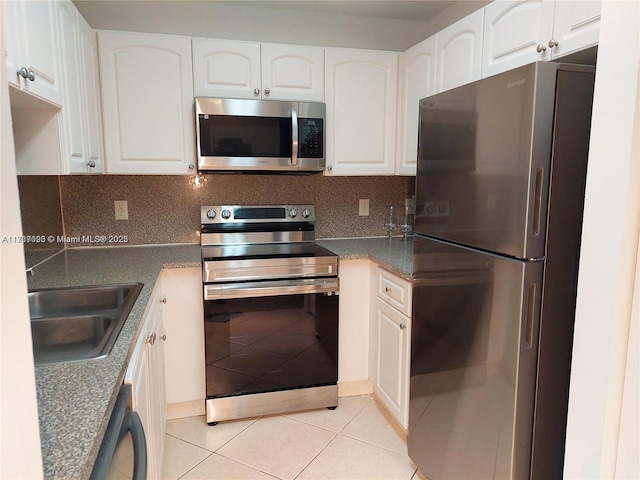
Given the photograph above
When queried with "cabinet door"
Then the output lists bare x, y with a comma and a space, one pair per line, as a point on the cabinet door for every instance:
361, 92
576, 25
184, 349
417, 76
292, 72
32, 33
88, 49
392, 359
514, 31
225, 68
156, 392
459, 52
73, 111
147, 93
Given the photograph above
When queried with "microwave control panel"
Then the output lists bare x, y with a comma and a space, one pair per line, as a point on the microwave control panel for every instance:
310, 135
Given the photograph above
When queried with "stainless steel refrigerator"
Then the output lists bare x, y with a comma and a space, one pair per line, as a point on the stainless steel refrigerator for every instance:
499, 200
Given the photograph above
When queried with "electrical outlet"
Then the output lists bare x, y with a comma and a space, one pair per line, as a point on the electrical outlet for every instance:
122, 210
363, 208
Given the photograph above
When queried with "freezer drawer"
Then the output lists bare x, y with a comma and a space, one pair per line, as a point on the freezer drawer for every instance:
473, 362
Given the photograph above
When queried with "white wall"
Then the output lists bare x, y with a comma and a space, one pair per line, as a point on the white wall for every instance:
20, 455
608, 258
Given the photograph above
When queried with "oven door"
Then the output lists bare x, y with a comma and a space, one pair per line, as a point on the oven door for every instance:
270, 336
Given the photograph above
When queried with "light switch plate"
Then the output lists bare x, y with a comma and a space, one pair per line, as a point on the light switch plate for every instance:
122, 209
363, 208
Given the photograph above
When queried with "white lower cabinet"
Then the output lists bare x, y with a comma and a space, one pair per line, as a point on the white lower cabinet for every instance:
146, 375
184, 349
390, 343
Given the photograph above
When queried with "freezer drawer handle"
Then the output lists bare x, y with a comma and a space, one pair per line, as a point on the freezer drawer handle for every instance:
528, 339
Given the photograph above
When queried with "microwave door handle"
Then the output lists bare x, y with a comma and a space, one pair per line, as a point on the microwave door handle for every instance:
294, 137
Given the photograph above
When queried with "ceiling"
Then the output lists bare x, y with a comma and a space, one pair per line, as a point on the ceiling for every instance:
377, 24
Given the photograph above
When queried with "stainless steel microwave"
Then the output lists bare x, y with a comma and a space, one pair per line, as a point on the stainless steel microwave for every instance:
236, 135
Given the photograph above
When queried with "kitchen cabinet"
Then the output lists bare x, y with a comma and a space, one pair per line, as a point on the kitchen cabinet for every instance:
459, 52
226, 68
31, 43
521, 32
391, 343
147, 99
146, 376
417, 78
184, 349
361, 98
81, 112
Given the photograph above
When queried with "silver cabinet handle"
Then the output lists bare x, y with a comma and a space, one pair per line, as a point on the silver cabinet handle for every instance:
267, 91
553, 43
191, 166
540, 48
151, 339
164, 337
402, 326
164, 300
91, 164
25, 73
330, 167
256, 91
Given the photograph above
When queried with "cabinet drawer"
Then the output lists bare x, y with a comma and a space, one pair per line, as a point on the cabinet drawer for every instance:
395, 291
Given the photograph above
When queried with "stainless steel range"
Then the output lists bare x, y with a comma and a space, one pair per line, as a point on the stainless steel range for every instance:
270, 311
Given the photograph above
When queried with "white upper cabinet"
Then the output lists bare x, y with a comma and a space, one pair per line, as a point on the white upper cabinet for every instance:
459, 52
226, 68
81, 110
235, 69
147, 97
518, 32
417, 78
292, 72
31, 38
361, 94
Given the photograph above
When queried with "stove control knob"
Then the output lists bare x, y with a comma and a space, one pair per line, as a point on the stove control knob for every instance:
306, 213
226, 214
293, 213
211, 214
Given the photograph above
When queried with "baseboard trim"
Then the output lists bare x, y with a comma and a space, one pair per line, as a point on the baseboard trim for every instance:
192, 408
350, 389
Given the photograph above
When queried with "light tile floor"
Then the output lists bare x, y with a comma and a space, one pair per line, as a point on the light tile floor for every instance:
358, 440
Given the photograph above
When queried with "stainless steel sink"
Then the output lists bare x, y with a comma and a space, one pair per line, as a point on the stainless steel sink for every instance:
78, 323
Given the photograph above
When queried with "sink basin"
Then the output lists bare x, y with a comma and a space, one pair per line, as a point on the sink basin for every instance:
78, 323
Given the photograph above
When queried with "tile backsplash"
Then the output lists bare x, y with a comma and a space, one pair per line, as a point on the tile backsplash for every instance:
166, 209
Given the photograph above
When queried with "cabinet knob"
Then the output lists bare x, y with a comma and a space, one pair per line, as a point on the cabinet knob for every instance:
540, 48
91, 164
402, 326
553, 43
267, 91
151, 339
25, 73
164, 300
330, 167
191, 166
256, 91
164, 337
387, 289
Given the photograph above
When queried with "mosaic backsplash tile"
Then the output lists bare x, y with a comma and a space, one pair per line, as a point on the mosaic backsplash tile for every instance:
166, 209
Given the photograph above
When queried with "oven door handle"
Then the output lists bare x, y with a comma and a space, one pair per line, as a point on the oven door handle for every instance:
219, 291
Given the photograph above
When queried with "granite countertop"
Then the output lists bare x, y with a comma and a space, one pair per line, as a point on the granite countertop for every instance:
75, 399
395, 255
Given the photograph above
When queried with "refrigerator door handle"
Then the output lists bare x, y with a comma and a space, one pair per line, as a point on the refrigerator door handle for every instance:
537, 202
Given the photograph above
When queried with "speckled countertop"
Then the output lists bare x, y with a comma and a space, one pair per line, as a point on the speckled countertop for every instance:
395, 255
75, 399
